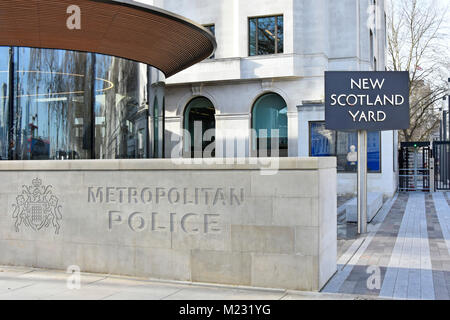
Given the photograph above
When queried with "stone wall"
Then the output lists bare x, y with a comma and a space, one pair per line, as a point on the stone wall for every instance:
228, 224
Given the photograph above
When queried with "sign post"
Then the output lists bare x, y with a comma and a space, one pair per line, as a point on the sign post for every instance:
366, 101
362, 181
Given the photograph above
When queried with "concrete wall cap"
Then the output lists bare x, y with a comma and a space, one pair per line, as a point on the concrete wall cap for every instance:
170, 164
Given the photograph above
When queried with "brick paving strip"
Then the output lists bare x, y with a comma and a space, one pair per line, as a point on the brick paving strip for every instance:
410, 243
447, 195
443, 214
440, 242
409, 274
349, 260
378, 252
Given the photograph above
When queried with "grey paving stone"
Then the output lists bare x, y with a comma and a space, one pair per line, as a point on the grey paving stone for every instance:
411, 249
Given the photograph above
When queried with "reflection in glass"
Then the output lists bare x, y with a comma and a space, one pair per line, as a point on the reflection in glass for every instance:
270, 113
51, 115
252, 36
280, 32
121, 112
75, 105
4, 102
344, 146
323, 142
266, 35
347, 145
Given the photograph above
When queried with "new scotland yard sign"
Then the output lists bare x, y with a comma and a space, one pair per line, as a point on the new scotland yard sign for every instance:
373, 101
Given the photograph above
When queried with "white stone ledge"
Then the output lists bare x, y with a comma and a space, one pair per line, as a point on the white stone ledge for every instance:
169, 164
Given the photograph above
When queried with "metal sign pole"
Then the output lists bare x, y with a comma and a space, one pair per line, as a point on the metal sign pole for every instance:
432, 177
362, 181
347, 98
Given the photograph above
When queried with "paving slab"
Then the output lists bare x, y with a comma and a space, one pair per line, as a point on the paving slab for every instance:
37, 284
409, 246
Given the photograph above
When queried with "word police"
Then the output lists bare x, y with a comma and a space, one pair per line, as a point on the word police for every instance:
189, 223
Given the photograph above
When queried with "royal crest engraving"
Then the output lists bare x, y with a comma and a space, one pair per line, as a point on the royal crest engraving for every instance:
37, 208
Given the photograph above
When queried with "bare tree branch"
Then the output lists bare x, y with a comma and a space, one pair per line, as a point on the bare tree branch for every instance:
416, 44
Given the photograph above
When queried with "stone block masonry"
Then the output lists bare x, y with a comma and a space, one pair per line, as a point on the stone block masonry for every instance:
224, 224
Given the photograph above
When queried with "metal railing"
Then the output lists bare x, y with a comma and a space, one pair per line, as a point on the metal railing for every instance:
441, 152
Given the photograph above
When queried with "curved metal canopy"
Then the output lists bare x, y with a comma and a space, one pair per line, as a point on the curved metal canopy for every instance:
126, 29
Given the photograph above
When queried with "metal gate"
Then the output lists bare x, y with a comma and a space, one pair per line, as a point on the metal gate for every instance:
414, 166
441, 154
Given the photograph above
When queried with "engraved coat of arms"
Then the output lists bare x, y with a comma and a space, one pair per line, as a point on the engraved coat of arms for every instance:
37, 207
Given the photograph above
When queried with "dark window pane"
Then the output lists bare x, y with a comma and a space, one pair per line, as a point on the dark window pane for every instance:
266, 35
200, 112
75, 105
280, 34
212, 29
252, 36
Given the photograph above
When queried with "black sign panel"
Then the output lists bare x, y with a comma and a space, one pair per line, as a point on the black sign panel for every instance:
373, 101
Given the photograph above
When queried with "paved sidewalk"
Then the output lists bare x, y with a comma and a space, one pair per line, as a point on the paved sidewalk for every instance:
36, 284
407, 250
405, 255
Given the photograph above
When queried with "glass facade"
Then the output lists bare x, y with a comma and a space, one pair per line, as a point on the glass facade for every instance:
344, 146
269, 114
4, 101
59, 105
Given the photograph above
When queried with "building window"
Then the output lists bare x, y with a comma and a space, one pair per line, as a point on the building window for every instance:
344, 146
67, 105
212, 29
266, 35
6, 56
200, 126
270, 124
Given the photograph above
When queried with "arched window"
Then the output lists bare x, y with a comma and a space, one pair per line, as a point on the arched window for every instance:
199, 125
270, 126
